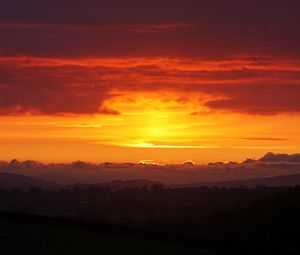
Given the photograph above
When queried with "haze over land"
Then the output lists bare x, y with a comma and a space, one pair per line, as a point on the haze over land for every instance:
84, 172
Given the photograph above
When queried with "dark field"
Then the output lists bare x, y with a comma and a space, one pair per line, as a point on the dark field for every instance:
152, 220
19, 235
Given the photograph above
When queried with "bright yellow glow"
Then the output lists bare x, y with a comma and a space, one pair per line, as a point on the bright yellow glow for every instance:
155, 127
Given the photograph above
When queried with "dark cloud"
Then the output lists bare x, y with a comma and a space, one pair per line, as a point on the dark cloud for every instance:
271, 157
135, 11
204, 28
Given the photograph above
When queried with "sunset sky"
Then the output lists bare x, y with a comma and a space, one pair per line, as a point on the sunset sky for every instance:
161, 80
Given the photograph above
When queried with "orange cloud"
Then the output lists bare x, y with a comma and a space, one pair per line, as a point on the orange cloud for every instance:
85, 85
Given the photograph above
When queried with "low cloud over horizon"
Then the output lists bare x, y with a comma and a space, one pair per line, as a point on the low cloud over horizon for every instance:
84, 172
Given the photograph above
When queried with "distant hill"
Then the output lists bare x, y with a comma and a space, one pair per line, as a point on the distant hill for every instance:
277, 181
119, 184
15, 181
10, 181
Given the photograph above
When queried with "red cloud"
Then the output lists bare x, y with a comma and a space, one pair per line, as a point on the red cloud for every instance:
83, 86
259, 98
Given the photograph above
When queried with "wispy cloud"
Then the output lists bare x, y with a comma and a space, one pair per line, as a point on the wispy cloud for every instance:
264, 139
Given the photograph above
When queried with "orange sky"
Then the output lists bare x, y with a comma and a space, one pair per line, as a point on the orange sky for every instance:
171, 85
166, 126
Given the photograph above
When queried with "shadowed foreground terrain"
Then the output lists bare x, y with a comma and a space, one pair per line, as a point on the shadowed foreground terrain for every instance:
42, 235
152, 220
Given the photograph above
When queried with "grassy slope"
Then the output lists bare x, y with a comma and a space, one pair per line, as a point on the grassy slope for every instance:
44, 239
